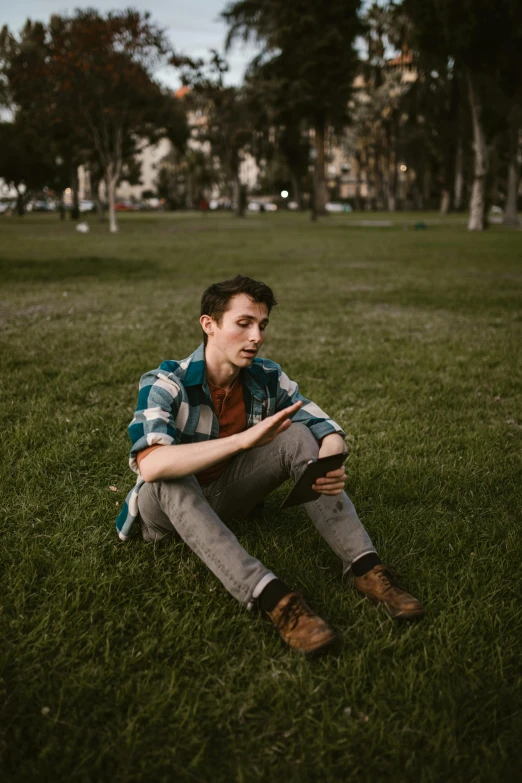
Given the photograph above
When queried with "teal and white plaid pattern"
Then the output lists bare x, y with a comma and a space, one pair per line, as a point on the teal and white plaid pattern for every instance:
175, 406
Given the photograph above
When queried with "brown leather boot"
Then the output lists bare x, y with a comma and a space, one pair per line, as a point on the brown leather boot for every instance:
380, 586
301, 629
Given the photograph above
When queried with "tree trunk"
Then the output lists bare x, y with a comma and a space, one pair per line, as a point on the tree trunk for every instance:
110, 182
75, 209
357, 198
320, 191
296, 189
511, 213
392, 183
459, 177
368, 202
239, 196
477, 207
385, 169
379, 182
444, 201
426, 188
416, 195
95, 192
449, 149
20, 206
189, 198
393, 178
392, 195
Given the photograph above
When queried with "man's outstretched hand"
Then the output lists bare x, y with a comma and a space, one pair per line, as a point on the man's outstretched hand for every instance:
265, 431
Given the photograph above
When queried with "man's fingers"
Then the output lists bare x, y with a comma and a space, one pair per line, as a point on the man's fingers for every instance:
334, 477
284, 426
336, 473
329, 485
287, 412
277, 420
334, 489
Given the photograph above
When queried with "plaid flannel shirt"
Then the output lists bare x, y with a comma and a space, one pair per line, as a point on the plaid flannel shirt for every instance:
175, 406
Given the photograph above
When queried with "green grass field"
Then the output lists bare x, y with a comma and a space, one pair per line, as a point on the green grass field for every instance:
129, 662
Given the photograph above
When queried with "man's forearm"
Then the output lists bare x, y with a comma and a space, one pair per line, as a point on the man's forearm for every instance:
332, 444
171, 462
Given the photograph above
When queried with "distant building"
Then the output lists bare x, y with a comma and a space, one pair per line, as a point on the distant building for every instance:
344, 176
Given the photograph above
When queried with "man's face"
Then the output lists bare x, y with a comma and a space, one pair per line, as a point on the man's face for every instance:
241, 333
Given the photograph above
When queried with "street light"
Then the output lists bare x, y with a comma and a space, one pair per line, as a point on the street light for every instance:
404, 168
284, 194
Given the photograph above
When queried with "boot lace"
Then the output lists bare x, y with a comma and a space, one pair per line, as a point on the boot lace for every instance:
388, 577
292, 612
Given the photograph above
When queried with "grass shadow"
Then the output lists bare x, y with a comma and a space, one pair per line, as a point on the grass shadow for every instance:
51, 270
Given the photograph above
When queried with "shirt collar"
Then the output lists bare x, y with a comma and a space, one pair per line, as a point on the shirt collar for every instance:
196, 374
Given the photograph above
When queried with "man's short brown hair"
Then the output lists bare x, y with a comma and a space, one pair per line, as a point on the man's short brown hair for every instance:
215, 299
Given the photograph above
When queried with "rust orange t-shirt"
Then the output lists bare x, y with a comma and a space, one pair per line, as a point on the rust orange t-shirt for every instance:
230, 410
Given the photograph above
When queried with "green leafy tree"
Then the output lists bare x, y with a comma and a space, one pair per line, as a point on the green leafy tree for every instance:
24, 63
89, 77
26, 159
309, 57
281, 142
484, 37
229, 122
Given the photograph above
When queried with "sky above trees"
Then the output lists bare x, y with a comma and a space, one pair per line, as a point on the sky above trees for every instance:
193, 27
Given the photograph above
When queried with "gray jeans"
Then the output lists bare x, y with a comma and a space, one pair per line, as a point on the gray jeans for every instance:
195, 513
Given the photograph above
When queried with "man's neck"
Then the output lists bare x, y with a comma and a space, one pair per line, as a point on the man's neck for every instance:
219, 371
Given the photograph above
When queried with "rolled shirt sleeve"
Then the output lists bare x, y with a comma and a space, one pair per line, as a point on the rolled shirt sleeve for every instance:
154, 422
310, 414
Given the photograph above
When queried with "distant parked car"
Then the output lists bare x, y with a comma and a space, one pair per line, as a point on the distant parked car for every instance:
151, 203
333, 206
261, 206
39, 205
86, 205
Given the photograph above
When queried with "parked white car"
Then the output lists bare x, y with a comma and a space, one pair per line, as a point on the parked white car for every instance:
261, 206
333, 206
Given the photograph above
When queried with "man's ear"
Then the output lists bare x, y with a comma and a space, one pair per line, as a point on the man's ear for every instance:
207, 324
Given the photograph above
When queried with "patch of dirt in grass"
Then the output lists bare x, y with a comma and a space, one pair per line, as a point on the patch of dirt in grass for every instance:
206, 227
356, 264
9, 313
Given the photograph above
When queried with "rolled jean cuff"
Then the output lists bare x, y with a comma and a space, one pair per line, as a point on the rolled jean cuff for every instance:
258, 589
371, 551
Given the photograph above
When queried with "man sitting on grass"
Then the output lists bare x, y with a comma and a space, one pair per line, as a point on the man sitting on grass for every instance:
214, 434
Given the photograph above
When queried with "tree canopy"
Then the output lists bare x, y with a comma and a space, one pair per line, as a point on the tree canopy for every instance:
89, 80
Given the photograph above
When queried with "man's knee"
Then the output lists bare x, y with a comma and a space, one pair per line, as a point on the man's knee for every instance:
157, 500
300, 441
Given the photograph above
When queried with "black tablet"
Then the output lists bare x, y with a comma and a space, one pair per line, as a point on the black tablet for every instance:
302, 491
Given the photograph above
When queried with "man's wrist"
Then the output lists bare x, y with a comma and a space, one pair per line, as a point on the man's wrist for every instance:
238, 442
